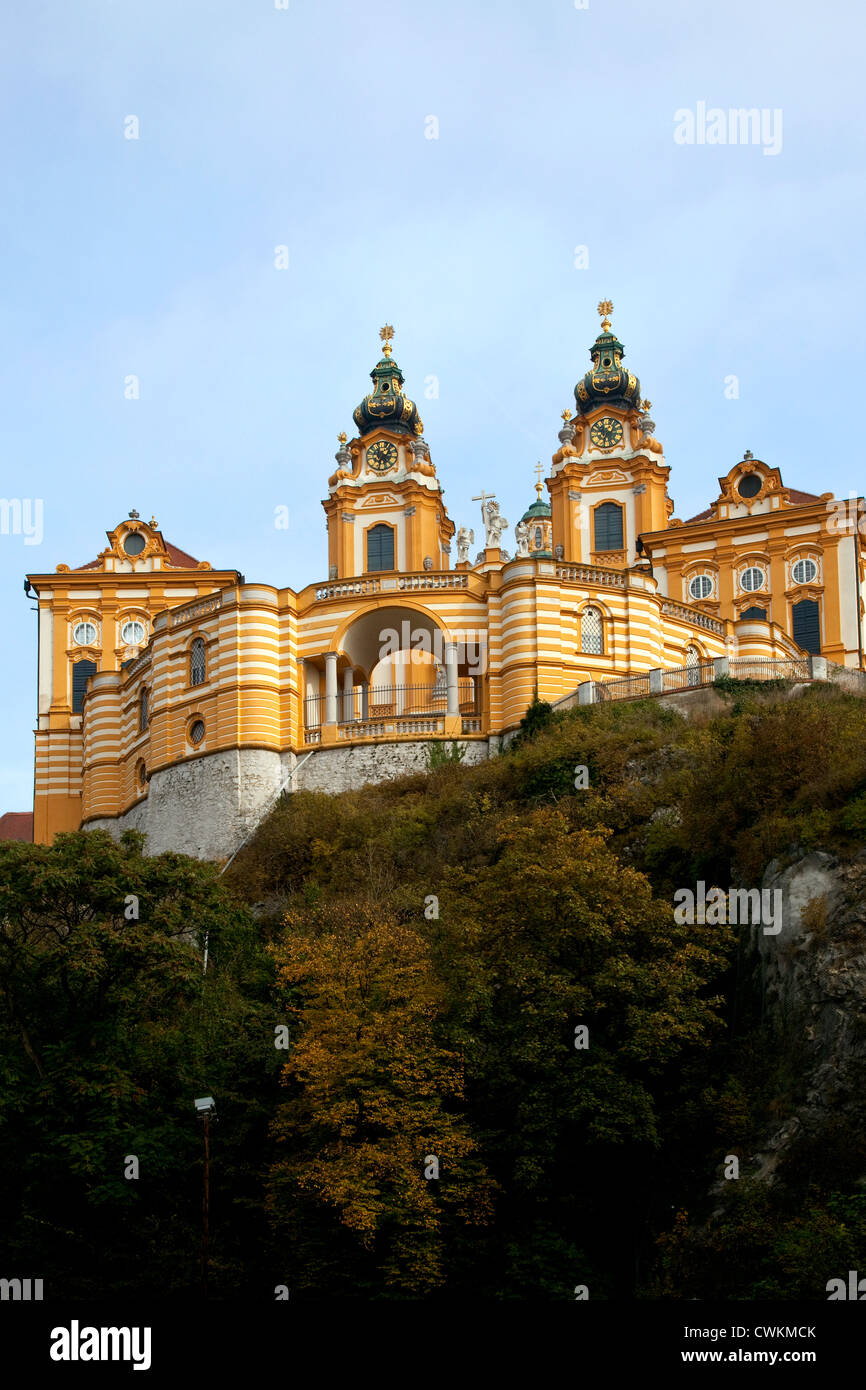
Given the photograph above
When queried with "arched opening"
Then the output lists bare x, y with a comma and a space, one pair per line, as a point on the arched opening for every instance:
395, 668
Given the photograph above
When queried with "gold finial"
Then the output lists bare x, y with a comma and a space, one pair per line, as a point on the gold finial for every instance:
646, 406
386, 334
341, 437
566, 415
605, 307
539, 488
154, 523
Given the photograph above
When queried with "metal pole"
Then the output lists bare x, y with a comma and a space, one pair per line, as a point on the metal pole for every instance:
205, 1207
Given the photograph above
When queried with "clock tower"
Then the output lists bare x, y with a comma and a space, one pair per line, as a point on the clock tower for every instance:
609, 477
385, 507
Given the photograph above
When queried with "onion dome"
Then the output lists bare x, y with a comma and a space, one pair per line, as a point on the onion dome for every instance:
608, 382
386, 405
537, 519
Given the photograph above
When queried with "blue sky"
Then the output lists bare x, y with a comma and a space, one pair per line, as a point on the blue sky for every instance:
305, 127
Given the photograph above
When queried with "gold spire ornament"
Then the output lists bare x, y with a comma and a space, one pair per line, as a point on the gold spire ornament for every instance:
646, 406
566, 415
386, 334
605, 307
539, 487
341, 437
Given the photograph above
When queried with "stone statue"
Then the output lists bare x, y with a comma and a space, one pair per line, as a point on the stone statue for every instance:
332, 571
559, 551
494, 524
464, 540
521, 535
428, 562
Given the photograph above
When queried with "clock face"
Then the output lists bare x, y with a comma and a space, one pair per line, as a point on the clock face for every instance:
381, 456
606, 432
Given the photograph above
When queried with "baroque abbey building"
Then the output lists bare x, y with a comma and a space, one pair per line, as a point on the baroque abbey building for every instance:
179, 699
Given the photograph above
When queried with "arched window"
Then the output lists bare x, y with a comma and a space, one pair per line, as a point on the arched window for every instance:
81, 671
197, 662
608, 526
591, 632
380, 547
754, 612
807, 625
693, 661
538, 538
143, 710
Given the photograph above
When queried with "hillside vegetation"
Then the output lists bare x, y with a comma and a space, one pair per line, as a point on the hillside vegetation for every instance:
508, 1071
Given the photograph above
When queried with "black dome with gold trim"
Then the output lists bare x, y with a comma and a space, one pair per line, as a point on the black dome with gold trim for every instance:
386, 405
607, 382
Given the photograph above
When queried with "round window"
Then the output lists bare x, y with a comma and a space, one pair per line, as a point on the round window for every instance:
83, 634
752, 579
196, 731
141, 772
132, 633
749, 485
701, 586
133, 544
804, 571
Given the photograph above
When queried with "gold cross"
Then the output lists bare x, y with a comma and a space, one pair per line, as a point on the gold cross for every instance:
538, 473
605, 307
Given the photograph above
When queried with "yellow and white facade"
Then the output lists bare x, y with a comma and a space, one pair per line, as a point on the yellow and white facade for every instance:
201, 695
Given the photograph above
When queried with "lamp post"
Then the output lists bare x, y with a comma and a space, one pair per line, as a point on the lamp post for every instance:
205, 1109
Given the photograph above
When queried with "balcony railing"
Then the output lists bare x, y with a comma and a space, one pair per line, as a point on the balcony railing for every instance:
371, 705
199, 609
695, 617
591, 574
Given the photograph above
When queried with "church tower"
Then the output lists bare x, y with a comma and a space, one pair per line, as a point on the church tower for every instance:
609, 479
385, 505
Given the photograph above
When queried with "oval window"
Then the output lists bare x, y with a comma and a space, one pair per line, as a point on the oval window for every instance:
196, 731
701, 586
804, 571
132, 633
752, 579
749, 485
83, 634
133, 544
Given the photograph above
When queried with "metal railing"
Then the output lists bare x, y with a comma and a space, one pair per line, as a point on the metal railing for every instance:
378, 702
688, 677
761, 668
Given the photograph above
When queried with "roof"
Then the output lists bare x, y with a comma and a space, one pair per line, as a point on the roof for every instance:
17, 825
178, 557
797, 499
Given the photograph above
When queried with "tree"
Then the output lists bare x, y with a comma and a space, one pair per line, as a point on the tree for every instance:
374, 1143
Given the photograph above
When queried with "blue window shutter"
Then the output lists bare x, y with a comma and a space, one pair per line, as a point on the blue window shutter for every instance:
807, 625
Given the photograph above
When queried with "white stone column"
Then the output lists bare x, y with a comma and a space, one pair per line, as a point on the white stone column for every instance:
331, 687
451, 679
348, 694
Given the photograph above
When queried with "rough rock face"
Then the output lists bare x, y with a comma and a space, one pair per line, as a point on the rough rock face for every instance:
814, 976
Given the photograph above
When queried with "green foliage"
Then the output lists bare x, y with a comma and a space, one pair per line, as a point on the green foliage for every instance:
433, 944
440, 755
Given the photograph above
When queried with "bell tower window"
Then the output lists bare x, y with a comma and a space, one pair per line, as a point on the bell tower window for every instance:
380, 547
608, 526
